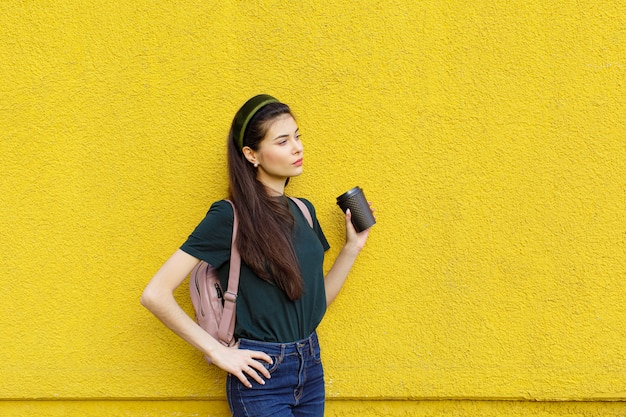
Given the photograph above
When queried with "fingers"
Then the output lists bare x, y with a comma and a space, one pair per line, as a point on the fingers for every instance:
355, 240
350, 229
251, 373
254, 369
372, 209
349, 213
261, 356
349, 224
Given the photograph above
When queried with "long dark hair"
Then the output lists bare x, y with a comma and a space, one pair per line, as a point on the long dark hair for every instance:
265, 222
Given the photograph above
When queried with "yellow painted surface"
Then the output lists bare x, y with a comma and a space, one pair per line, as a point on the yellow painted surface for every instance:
490, 136
333, 408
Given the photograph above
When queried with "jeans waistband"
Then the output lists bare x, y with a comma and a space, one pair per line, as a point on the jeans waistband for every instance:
310, 343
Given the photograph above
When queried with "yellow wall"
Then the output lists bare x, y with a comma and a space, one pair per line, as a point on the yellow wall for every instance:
490, 136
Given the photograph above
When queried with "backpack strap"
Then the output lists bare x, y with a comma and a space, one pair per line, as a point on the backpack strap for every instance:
226, 330
304, 209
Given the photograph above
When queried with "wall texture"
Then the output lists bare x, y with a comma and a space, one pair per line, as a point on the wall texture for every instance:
490, 136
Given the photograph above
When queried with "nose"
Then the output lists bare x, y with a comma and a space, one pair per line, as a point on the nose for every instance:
297, 147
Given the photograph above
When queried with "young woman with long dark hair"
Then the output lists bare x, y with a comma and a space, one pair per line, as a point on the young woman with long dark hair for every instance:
275, 369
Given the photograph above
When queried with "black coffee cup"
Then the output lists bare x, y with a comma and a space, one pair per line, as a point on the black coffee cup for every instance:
354, 199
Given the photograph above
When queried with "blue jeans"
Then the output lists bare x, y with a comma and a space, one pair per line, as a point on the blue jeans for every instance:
296, 387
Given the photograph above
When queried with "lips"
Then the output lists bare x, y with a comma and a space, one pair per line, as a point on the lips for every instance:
298, 163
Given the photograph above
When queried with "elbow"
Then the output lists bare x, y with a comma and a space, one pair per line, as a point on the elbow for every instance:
154, 297
148, 297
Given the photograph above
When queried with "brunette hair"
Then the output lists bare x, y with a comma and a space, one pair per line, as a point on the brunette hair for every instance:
265, 222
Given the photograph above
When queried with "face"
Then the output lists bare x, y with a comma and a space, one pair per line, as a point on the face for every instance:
280, 153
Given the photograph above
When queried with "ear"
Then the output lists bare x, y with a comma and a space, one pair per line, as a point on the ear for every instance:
249, 154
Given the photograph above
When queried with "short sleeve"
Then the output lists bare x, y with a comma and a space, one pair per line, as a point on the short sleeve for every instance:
210, 241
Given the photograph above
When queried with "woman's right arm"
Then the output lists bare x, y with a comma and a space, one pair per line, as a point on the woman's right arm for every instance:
158, 297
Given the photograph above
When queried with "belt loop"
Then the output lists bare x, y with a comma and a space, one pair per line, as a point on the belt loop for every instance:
311, 347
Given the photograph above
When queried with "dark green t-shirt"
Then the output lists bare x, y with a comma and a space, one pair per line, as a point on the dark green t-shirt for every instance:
264, 312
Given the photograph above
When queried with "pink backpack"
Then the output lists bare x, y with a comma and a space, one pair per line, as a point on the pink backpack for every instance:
215, 309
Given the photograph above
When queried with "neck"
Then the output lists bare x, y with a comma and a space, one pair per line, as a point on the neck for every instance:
273, 192
275, 186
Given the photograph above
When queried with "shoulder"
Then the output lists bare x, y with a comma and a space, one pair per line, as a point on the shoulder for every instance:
306, 202
219, 214
221, 209
308, 205
316, 225
211, 239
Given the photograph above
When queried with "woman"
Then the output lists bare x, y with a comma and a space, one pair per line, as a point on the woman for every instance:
275, 369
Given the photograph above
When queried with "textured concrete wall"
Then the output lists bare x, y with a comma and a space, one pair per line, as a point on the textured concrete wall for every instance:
490, 136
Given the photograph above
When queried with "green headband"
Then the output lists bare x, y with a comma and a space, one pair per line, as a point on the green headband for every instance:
246, 113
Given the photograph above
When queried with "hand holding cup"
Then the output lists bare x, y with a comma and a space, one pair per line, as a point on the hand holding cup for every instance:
362, 216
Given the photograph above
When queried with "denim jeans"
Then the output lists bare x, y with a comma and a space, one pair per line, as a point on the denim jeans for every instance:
296, 387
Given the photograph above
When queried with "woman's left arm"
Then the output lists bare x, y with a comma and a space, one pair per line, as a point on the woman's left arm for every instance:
338, 273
